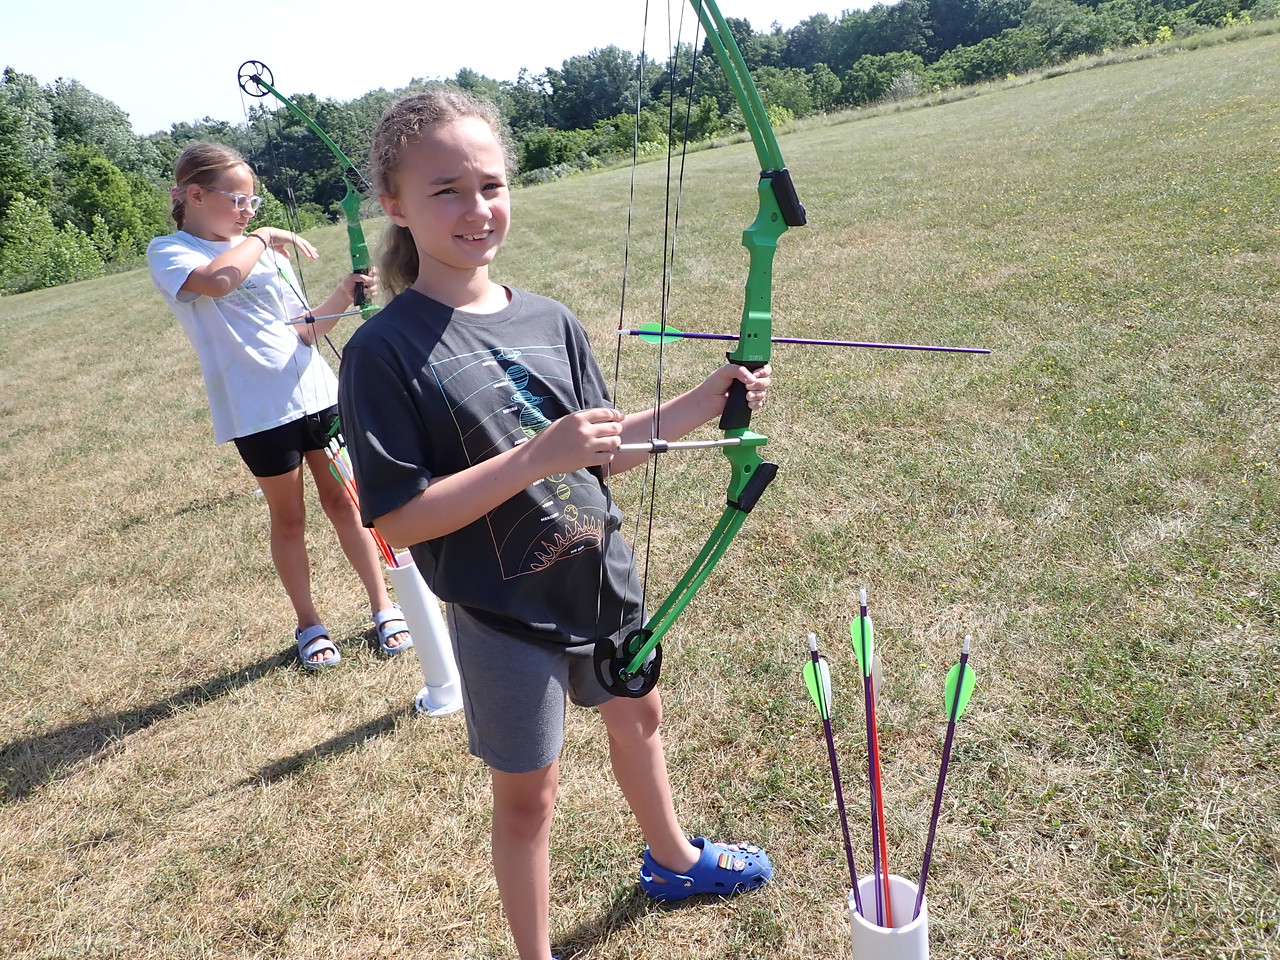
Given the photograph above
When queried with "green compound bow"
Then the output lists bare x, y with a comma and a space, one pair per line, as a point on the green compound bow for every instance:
631, 669
257, 81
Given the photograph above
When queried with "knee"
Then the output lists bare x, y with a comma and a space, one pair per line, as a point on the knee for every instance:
337, 504
635, 719
288, 522
524, 813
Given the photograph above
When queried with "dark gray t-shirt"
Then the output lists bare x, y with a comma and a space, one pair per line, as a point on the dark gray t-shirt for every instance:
426, 390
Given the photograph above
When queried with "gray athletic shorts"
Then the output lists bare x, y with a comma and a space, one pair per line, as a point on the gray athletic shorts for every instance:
513, 693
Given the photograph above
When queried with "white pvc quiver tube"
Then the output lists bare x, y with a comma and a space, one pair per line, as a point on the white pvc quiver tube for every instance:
907, 941
441, 692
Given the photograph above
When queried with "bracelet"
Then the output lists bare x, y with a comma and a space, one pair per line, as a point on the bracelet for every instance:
257, 236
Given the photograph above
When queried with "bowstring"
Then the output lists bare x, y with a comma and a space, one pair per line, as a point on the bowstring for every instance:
671, 219
292, 215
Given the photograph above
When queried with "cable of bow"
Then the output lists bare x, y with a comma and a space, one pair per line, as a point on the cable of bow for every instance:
256, 80
632, 668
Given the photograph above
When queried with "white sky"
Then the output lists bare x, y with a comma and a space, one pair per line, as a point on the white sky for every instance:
167, 62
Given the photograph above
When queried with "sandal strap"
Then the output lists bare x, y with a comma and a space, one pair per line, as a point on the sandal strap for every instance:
389, 615
315, 639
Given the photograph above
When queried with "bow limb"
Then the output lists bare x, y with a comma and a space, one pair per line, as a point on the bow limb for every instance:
256, 80
632, 669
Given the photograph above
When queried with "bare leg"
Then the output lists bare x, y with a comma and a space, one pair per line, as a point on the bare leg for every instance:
522, 807
640, 767
356, 541
289, 548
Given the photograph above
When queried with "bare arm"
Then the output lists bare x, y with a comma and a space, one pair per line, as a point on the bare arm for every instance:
450, 502
224, 273
587, 438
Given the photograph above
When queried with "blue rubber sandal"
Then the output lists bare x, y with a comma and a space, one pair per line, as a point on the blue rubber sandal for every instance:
723, 868
315, 639
390, 622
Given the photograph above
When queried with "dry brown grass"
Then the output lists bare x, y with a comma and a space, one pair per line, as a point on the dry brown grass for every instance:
1096, 503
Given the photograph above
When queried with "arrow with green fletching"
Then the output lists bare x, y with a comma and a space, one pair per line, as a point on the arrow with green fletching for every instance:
664, 333
817, 678
864, 647
960, 683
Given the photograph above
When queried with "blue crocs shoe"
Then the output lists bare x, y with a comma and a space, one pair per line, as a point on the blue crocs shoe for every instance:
723, 868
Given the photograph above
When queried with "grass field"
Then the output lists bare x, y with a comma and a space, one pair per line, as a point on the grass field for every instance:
1096, 503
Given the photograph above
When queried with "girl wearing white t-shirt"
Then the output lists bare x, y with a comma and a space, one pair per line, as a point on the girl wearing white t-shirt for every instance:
270, 392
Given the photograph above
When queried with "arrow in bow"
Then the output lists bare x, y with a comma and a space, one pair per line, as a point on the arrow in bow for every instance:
632, 668
257, 81
661, 332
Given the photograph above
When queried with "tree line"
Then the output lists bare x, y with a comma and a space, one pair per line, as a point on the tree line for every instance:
81, 194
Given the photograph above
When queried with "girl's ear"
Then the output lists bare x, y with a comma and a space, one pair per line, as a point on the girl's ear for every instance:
391, 207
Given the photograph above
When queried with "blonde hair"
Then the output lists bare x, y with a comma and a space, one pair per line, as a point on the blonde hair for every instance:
201, 163
402, 124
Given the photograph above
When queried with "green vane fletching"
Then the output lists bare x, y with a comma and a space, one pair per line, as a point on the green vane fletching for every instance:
817, 677
964, 692
657, 333
863, 633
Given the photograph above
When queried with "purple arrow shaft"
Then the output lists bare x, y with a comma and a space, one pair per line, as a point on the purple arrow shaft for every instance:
942, 779
817, 343
835, 778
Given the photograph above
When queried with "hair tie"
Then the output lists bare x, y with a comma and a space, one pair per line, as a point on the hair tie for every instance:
176, 193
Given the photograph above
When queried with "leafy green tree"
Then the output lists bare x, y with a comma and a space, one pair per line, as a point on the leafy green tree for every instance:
809, 42
593, 87
82, 116
787, 88
869, 78
91, 186
552, 147
1068, 28
824, 87
900, 28
705, 120
525, 103
28, 146
36, 254
957, 23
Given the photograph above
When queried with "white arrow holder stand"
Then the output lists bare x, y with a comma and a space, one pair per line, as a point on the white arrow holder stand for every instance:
910, 941
441, 692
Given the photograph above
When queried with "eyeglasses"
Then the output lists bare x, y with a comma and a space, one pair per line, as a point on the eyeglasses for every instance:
242, 202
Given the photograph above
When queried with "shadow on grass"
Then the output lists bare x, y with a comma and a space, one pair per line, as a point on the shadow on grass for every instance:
203, 505
30, 763
626, 907
288, 766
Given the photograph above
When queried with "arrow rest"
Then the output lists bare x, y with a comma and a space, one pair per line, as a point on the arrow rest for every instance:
611, 666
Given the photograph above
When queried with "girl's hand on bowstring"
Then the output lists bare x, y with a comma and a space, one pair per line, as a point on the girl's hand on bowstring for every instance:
281, 240
587, 438
757, 383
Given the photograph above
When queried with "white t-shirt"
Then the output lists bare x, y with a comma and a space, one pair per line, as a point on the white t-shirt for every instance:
257, 373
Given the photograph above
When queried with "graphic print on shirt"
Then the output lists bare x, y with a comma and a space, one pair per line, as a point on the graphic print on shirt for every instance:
500, 398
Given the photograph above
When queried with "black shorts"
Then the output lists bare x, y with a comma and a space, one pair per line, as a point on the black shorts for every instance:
280, 449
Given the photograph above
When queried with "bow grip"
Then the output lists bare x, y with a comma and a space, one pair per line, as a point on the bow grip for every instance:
737, 415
